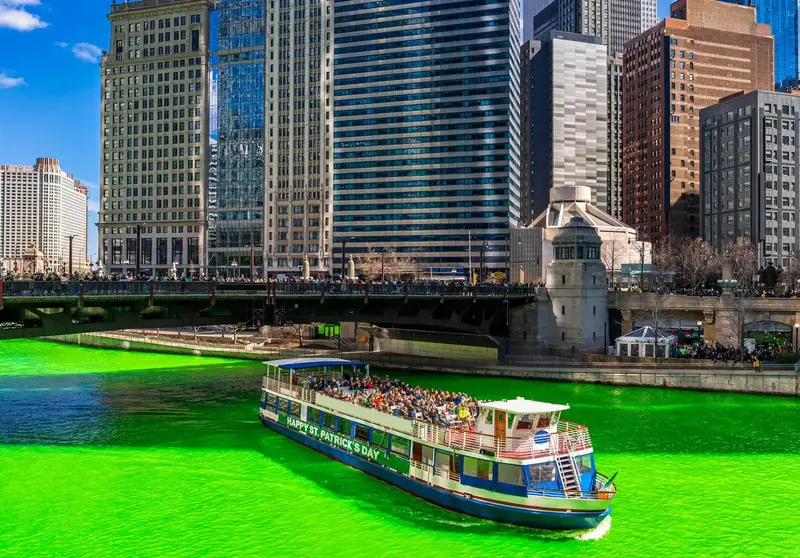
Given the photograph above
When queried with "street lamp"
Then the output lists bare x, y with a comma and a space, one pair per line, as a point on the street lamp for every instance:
796, 335
700, 329
233, 265
71, 238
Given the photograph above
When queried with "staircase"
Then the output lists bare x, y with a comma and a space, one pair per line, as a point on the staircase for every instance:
568, 474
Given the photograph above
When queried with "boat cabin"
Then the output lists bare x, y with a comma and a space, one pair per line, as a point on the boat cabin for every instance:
518, 418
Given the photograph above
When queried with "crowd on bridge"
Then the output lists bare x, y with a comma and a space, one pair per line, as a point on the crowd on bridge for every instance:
399, 398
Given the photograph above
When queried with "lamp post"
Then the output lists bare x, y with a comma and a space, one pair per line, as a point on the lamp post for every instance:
71, 238
383, 257
700, 330
484, 248
252, 260
233, 265
796, 336
139, 249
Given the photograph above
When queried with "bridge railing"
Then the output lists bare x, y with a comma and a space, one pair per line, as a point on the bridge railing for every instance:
45, 289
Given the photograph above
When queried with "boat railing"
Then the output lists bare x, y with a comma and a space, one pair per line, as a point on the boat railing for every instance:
285, 388
570, 436
475, 442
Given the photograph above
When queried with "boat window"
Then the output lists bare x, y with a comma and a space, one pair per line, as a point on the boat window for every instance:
380, 439
313, 415
263, 396
544, 421
400, 446
546, 472
344, 427
329, 421
294, 409
271, 401
478, 468
489, 417
510, 419
422, 453
584, 463
283, 405
525, 422
510, 474
444, 461
362, 433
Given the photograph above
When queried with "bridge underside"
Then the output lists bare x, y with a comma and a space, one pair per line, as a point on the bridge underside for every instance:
45, 318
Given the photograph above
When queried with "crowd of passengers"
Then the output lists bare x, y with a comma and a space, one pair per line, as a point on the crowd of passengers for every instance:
399, 398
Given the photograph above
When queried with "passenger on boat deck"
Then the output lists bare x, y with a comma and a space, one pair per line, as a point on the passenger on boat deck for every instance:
398, 398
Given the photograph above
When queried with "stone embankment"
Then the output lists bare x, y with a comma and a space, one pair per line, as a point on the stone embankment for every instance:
772, 381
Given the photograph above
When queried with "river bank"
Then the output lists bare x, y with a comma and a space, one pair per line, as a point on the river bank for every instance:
701, 378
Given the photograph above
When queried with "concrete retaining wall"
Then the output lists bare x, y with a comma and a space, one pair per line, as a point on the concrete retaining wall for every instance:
726, 380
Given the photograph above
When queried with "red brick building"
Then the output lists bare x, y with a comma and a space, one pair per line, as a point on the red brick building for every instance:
705, 51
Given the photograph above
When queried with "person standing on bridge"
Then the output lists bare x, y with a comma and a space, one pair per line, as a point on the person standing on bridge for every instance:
756, 365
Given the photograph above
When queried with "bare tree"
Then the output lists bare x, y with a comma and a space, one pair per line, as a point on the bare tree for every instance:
743, 261
658, 313
370, 264
662, 258
398, 266
695, 259
613, 251
737, 313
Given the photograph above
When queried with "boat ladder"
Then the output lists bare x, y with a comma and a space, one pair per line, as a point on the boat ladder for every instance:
566, 470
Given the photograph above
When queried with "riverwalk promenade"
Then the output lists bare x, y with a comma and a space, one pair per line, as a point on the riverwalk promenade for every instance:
677, 375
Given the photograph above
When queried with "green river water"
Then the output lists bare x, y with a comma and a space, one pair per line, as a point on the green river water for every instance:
106, 453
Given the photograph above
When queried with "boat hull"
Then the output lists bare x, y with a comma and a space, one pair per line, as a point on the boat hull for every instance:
544, 519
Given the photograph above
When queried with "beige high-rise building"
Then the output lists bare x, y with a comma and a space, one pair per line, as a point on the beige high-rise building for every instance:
154, 137
41, 207
299, 111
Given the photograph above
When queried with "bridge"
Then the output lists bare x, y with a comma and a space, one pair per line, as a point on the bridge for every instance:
43, 309
717, 314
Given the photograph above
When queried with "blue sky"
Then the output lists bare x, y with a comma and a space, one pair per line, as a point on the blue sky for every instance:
50, 86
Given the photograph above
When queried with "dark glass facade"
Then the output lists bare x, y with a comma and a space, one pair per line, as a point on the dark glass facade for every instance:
782, 17
426, 129
236, 184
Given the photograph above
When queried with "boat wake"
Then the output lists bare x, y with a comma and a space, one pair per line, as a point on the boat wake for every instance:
598, 532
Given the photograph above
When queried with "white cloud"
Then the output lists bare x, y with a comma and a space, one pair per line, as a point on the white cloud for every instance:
7, 82
87, 52
14, 16
61, 44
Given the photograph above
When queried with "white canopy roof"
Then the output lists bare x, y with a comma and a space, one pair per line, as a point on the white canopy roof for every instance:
524, 406
646, 334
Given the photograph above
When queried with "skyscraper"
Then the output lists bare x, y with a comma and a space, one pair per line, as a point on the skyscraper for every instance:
299, 97
154, 117
530, 9
583, 17
614, 96
426, 130
750, 168
627, 19
236, 205
569, 117
706, 51
783, 18
42, 206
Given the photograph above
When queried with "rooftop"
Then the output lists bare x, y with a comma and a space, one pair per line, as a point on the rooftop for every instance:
303, 363
524, 406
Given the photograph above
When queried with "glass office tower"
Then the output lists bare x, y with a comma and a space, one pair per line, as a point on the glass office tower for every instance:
782, 17
426, 130
236, 193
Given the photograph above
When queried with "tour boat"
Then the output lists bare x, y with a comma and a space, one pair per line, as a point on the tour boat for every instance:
516, 462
